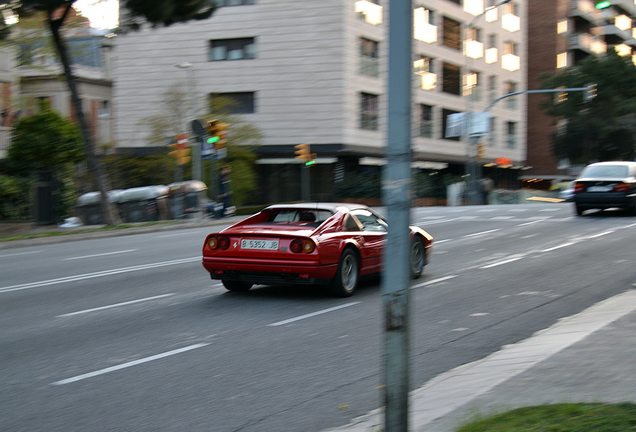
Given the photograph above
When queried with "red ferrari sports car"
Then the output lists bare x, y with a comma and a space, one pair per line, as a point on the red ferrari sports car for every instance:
301, 244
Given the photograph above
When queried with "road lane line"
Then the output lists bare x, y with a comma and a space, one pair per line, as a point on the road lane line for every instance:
501, 263
601, 234
558, 247
99, 255
127, 365
532, 222
20, 253
95, 275
434, 281
481, 233
114, 305
280, 323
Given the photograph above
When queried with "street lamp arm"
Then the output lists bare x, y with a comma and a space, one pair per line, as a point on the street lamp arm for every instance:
489, 107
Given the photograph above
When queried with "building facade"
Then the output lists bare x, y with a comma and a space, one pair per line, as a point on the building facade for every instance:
316, 73
562, 33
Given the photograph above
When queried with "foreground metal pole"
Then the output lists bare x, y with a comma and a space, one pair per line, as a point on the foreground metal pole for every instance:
396, 194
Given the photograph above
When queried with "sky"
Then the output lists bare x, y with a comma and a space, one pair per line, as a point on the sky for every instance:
103, 14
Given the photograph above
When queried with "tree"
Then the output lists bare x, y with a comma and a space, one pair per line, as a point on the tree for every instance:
155, 13
603, 128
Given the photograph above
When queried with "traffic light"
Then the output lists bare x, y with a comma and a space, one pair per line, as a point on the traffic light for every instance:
561, 96
603, 4
302, 152
589, 93
216, 133
481, 150
180, 150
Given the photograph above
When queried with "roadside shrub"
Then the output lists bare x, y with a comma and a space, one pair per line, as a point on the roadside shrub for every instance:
15, 198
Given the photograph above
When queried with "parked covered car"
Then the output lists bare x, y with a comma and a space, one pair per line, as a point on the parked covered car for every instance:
88, 206
144, 204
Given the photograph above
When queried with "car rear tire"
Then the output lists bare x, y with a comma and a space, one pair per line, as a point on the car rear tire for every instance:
417, 256
579, 210
236, 286
345, 281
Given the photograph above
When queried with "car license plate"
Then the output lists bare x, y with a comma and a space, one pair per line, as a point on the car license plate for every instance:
599, 188
259, 244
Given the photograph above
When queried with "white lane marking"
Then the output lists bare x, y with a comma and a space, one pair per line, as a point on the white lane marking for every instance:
600, 234
20, 253
509, 260
531, 222
549, 210
481, 233
460, 329
127, 365
558, 247
456, 388
480, 314
280, 323
115, 305
485, 211
431, 217
502, 217
96, 275
99, 255
630, 226
441, 241
434, 281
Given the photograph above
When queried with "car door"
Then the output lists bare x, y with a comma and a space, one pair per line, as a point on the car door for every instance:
373, 240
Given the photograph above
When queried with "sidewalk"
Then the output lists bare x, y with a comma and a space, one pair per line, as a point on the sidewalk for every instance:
80, 232
588, 357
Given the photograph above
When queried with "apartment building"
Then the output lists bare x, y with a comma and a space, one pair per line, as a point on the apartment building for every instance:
315, 72
561, 34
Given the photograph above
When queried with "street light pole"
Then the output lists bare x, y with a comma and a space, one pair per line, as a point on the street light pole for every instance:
473, 169
194, 142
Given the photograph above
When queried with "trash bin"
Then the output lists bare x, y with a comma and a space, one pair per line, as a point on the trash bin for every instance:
187, 198
142, 204
88, 206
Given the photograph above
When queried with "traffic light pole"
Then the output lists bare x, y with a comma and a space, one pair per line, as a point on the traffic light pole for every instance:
305, 180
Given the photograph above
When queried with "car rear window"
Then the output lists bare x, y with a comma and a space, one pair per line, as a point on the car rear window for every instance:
606, 171
308, 216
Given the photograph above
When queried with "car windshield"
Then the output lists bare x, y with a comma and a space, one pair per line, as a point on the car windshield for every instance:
605, 171
304, 216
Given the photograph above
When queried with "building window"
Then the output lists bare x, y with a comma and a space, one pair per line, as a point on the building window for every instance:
511, 87
511, 138
472, 85
456, 1
425, 68
492, 52
426, 121
369, 62
232, 49
369, 11
562, 60
473, 47
104, 109
233, 103
510, 17
424, 27
492, 136
445, 114
369, 111
562, 27
220, 3
492, 88
474, 7
451, 34
451, 79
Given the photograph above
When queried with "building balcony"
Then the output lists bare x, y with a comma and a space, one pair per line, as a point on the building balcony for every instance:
510, 62
586, 10
511, 22
369, 11
492, 55
473, 49
429, 80
587, 42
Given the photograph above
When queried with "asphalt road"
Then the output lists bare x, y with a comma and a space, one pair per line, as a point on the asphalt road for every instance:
130, 334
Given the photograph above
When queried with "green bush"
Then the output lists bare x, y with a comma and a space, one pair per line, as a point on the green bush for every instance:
15, 198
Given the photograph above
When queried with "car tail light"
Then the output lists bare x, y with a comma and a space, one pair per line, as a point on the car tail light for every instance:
224, 242
623, 187
579, 187
213, 243
300, 245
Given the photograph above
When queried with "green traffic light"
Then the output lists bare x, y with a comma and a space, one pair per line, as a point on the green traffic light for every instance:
311, 162
213, 139
603, 4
